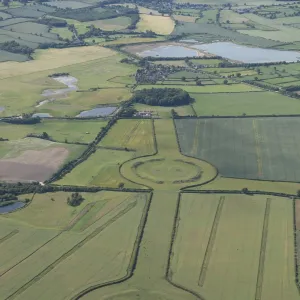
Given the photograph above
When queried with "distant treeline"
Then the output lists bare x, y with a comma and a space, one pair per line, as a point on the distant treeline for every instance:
25, 121
162, 97
53, 22
14, 47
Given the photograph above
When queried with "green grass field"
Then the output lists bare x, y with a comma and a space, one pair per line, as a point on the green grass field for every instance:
222, 88
261, 103
72, 131
131, 134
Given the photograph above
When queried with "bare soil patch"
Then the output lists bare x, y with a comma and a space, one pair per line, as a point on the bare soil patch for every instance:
32, 165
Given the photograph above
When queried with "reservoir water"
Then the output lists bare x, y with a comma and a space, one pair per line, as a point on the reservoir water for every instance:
248, 54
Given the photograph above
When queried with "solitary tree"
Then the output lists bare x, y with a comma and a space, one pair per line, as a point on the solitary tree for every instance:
225, 81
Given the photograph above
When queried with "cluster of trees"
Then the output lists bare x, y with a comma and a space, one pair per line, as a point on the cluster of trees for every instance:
14, 47
59, 74
75, 200
44, 135
162, 97
21, 121
52, 22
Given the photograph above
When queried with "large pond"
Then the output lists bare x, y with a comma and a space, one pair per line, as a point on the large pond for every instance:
11, 207
227, 50
53, 95
97, 112
169, 51
248, 54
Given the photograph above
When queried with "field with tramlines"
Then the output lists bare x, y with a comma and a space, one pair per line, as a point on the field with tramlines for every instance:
204, 261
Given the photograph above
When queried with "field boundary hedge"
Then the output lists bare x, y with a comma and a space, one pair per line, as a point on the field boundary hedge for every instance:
133, 259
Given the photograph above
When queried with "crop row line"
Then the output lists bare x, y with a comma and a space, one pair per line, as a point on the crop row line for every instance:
8, 236
261, 265
211, 242
70, 252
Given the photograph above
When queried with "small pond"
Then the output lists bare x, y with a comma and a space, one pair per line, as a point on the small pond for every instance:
169, 51
97, 112
53, 95
248, 54
11, 207
42, 115
2, 108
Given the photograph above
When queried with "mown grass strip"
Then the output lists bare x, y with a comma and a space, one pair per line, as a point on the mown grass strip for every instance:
263, 247
211, 242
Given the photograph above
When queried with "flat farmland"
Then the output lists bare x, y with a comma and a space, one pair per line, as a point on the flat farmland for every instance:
135, 135
45, 271
252, 148
237, 104
100, 169
72, 131
33, 159
246, 268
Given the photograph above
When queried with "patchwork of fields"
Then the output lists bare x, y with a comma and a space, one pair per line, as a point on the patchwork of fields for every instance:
198, 201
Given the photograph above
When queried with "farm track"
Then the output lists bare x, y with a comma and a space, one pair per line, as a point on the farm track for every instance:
262, 256
195, 141
211, 242
8, 236
132, 133
70, 252
258, 140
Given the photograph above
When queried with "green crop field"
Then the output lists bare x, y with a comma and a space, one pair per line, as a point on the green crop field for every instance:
48, 249
201, 245
237, 104
253, 148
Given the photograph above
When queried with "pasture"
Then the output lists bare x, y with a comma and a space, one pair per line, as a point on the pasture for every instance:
251, 148
70, 131
111, 24
201, 245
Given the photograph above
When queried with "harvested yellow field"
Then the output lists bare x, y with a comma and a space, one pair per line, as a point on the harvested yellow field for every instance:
54, 58
158, 24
